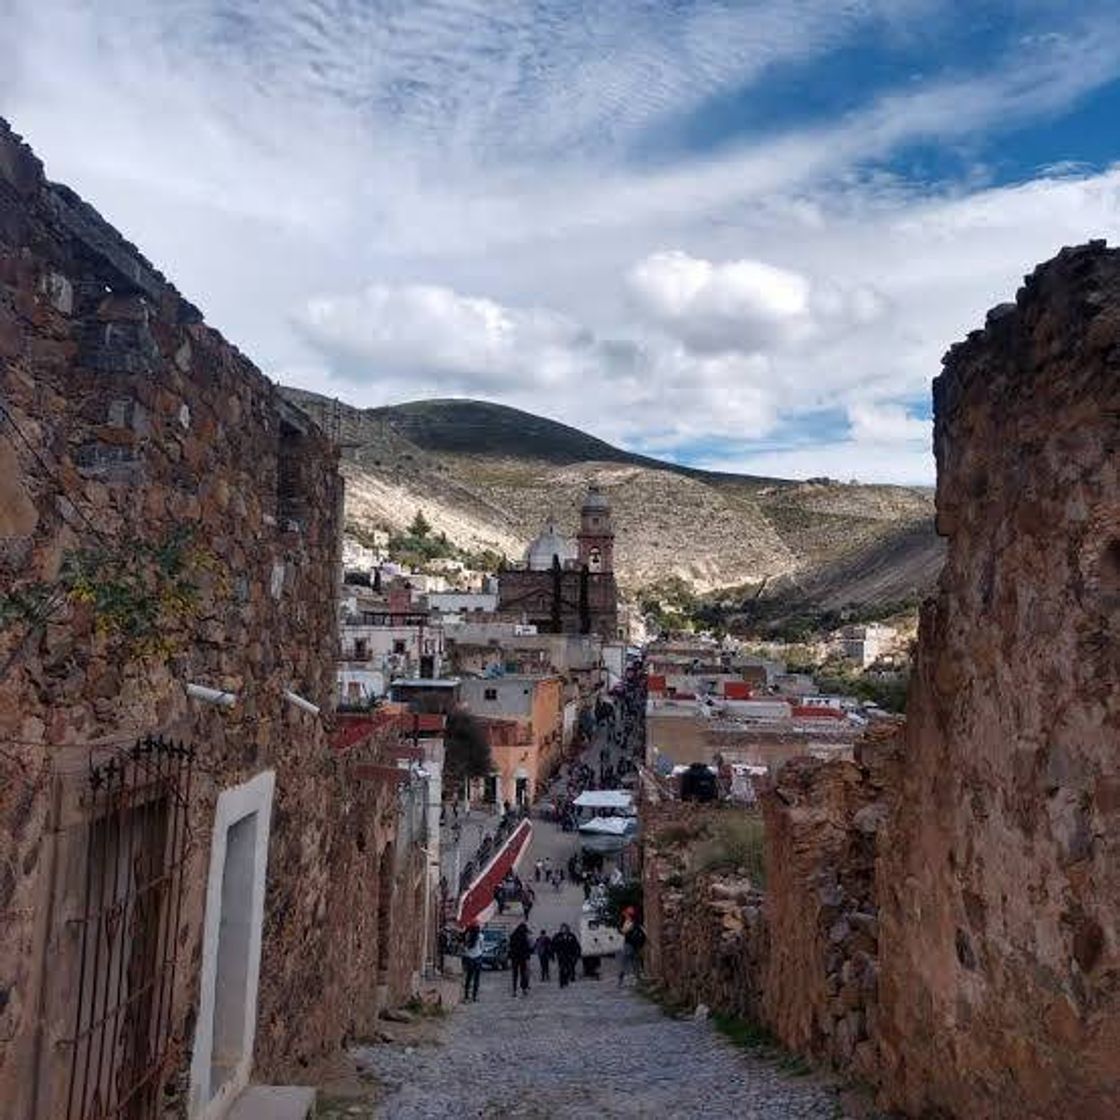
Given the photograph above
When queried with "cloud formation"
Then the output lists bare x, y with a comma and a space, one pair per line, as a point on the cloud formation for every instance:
455, 197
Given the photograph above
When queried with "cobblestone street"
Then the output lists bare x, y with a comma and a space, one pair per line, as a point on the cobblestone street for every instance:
589, 1050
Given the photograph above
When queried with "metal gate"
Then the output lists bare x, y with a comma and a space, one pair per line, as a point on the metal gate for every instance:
122, 1047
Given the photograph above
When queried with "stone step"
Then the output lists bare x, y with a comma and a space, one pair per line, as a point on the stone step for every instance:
274, 1102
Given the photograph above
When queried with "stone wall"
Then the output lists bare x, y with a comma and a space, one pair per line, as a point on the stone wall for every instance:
943, 917
707, 939
822, 828
798, 953
1000, 895
126, 417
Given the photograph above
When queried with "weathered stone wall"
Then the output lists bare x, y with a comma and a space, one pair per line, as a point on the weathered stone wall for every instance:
128, 417
943, 916
799, 956
707, 938
1000, 874
821, 981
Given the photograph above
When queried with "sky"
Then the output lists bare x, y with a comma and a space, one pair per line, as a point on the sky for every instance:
737, 234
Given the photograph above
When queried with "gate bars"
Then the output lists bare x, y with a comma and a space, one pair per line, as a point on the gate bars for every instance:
122, 1047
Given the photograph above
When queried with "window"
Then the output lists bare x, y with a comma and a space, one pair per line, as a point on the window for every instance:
490, 694
291, 497
399, 645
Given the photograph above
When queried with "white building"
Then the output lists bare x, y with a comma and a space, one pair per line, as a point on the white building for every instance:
866, 644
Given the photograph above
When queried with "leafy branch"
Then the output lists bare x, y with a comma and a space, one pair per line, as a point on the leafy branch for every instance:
136, 591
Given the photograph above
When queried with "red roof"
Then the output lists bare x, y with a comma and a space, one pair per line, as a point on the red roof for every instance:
801, 711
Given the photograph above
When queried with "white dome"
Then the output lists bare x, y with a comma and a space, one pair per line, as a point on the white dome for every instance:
539, 554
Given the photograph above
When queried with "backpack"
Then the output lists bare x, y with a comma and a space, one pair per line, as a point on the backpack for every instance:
636, 938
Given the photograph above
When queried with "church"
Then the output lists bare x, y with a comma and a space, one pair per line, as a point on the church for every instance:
566, 586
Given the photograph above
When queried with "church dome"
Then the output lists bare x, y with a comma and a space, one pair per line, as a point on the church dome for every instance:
539, 554
596, 500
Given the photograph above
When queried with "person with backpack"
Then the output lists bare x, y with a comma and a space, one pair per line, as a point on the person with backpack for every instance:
520, 953
472, 962
633, 941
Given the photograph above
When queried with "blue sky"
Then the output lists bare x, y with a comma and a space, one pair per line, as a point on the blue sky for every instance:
738, 235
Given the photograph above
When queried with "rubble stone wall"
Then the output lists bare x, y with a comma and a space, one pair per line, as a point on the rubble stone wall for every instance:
1000, 873
822, 822
126, 417
798, 955
706, 936
942, 917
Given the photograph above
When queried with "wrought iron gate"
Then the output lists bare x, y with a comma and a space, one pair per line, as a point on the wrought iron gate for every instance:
122, 1047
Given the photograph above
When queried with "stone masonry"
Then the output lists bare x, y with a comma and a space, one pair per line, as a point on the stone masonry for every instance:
942, 917
1000, 875
127, 417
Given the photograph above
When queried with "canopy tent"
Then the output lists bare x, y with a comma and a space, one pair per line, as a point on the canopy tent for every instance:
607, 826
604, 799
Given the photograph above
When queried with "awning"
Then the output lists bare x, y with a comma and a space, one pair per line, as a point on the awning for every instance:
604, 799
608, 826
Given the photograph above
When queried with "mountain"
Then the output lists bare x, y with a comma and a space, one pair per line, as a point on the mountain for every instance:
489, 476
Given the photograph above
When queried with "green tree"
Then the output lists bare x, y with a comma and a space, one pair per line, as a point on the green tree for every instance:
466, 749
420, 526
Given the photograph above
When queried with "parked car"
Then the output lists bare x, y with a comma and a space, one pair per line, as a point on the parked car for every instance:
495, 948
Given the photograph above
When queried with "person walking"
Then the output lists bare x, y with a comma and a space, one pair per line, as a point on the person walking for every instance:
472, 962
528, 897
566, 947
520, 952
500, 897
633, 941
538, 868
543, 948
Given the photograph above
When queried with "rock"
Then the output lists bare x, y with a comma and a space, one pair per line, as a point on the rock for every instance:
397, 1015
869, 819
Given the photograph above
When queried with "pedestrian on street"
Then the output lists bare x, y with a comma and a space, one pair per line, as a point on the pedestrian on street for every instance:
566, 947
500, 897
543, 948
538, 867
528, 897
472, 962
520, 952
633, 941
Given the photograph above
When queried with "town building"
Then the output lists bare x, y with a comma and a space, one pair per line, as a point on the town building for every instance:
568, 586
199, 891
866, 644
524, 718
384, 635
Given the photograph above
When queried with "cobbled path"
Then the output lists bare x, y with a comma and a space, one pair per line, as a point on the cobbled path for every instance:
587, 1051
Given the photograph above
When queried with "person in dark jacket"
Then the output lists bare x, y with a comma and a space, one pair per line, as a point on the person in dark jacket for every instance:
520, 953
566, 947
543, 948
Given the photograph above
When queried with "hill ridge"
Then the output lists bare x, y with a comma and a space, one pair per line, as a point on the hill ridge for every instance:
488, 475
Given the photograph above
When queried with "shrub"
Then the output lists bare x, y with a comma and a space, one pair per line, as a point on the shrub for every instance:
735, 842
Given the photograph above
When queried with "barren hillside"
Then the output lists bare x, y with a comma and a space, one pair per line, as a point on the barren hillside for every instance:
490, 476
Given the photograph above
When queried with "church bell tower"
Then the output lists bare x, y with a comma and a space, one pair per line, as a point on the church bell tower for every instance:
596, 533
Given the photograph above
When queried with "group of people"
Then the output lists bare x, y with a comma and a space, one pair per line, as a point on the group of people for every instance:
563, 947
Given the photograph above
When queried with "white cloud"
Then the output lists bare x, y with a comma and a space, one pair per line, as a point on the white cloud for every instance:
741, 305
451, 338
392, 201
